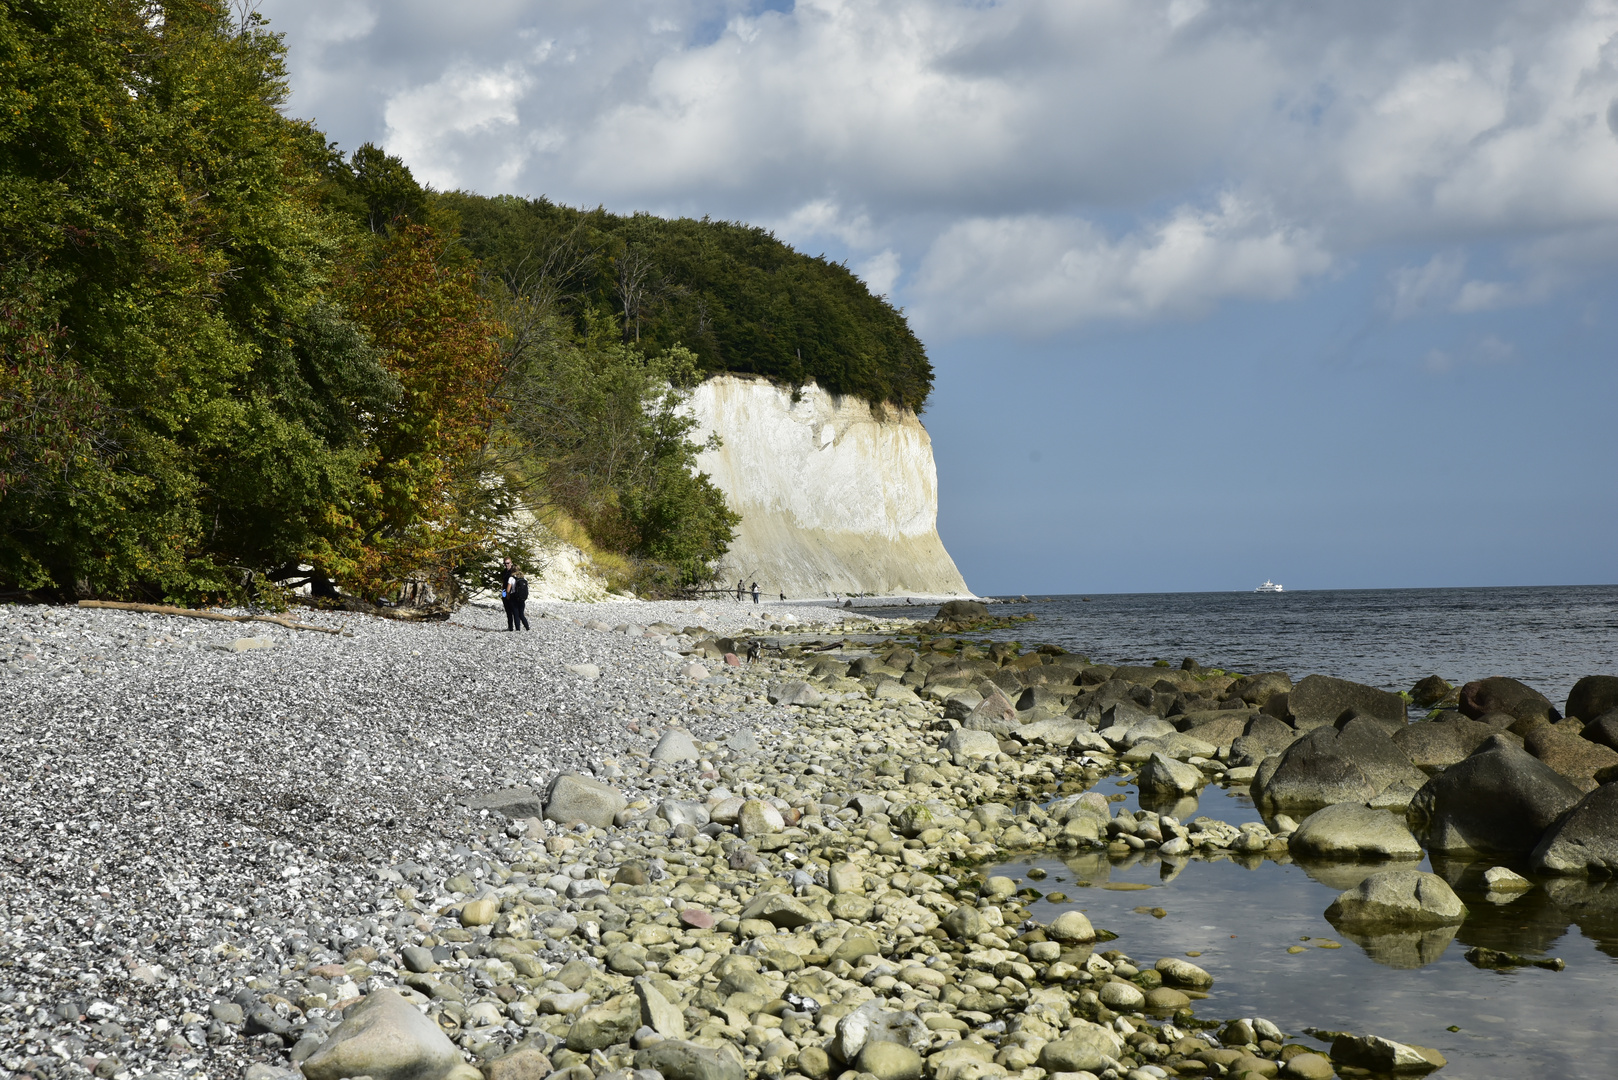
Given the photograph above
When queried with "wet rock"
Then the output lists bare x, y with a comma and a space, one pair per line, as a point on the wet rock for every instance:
1353, 831
1319, 701
1586, 840
1603, 729
1183, 974
1398, 898
675, 745
1503, 695
1309, 1067
1071, 928
1502, 879
1329, 765
1500, 800
1122, 996
387, 1038
1384, 1055
964, 611
573, 798
1163, 775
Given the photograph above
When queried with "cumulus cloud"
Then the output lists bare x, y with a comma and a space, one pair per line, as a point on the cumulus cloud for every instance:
1076, 147
1038, 274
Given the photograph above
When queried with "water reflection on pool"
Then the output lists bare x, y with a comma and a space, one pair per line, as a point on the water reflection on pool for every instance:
1243, 913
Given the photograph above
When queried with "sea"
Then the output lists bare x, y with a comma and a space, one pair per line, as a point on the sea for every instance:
1547, 636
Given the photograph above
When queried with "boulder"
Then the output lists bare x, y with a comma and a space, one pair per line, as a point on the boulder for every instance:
677, 1059
675, 745
1586, 840
794, 692
1384, 1055
1258, 689
611, 1022
1603, 729
1183, 974
1503, 695
1320, 700
385, 1037
1163, 775
1432, 745
966, 745
1500, 800
758, 818
572, 799
1429, 691
873, 1022
1071, 928
1398, 898
963, 611
1328, 765
1579, 759
889, 1061
683, 812
1351, 831
994, 714
1592, 696
657, 1012
783, 911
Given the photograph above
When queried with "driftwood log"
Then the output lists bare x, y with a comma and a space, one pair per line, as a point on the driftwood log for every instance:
215, 616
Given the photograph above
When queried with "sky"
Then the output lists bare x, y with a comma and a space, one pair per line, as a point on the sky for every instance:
1215, 291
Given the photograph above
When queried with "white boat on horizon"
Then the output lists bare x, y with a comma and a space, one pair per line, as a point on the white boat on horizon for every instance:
1269, 586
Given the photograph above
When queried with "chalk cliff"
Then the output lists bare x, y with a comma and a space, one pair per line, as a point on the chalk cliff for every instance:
834, 498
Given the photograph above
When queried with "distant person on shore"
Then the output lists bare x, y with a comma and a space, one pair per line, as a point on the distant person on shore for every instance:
755, 592
738, 590
783, 597
503, 583
517, 600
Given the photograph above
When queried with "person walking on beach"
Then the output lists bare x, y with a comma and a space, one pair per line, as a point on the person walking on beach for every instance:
503, 584
517, 601
755, 592
738, 590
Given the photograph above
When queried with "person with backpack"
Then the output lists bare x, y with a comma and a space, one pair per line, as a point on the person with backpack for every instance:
516, 601
502, 583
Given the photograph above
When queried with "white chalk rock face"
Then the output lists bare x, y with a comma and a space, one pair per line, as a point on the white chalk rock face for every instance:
834, 497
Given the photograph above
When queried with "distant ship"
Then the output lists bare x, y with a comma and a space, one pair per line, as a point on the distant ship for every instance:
1269, 586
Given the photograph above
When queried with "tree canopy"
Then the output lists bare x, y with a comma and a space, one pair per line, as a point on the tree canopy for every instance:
739, 299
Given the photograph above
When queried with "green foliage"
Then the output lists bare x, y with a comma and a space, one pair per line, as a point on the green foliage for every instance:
161, 255
732, 294
596, 426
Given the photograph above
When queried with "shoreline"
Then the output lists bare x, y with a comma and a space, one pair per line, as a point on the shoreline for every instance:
329, 880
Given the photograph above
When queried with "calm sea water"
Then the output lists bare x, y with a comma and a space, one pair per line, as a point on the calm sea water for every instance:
1548, 637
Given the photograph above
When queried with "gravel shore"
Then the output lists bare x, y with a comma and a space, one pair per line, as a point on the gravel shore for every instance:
240, 848
180, 817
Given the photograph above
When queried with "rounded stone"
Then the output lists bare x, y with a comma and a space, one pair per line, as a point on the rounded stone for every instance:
1122, 995
1071, 927
1182, 973
890, 1061
1165, 997
479, 912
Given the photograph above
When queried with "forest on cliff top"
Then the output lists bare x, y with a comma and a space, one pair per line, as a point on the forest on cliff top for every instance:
230, 352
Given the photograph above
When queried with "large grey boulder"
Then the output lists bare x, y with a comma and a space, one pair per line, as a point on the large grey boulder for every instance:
1258, 689
1353, 831
1579, 759
1593, 696
1586, 840
1398, 898
610, 1023
963, 611
965, 745
1163, 775
1502, 695
1432, 745
1320, 701
873, 1022
572, 799
1328, 765
387, 1038
1500, 800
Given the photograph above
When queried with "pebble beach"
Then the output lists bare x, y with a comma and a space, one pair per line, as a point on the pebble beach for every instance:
610, 846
